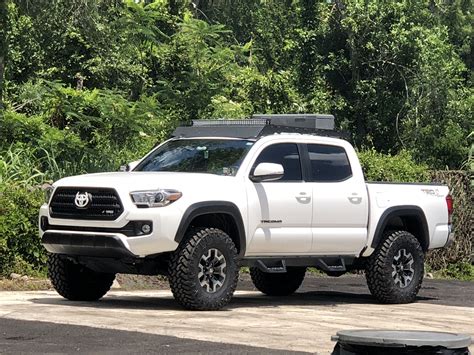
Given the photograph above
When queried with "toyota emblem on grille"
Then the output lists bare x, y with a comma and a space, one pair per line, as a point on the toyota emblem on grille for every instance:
82, 199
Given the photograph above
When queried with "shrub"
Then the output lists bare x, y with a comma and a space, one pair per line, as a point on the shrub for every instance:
392, 168
20, 247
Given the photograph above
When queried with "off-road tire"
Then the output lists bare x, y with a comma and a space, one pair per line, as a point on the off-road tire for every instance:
278, 284
184, 269
77, 282
379, 269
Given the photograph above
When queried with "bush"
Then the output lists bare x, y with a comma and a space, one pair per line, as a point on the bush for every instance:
20, 247
392, 168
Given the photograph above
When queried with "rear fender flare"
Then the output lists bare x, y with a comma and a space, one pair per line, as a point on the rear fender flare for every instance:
402, 211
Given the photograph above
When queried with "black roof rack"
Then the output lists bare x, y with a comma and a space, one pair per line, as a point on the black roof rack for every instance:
261, 125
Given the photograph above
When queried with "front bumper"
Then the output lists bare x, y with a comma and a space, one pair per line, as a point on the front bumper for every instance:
109, 238
110, 246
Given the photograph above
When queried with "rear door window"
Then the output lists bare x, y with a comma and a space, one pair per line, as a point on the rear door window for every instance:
329, 163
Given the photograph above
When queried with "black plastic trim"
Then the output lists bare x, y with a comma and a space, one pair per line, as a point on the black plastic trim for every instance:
212, 207
85, 245
131, 229
402, 211
304, 160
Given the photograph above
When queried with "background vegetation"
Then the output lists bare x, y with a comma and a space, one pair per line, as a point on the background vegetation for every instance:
86, 85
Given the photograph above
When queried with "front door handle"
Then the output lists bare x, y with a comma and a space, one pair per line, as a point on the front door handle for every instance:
355, 199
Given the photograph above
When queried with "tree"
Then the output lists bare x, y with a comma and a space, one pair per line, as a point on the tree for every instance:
3, 46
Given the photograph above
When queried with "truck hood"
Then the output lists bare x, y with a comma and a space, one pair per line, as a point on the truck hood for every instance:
135, 181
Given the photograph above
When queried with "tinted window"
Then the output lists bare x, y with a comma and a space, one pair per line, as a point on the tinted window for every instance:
285, 154
328, 163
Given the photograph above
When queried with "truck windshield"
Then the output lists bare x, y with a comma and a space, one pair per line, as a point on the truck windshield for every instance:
213, 156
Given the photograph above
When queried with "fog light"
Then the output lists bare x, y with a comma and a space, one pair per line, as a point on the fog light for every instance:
146, 228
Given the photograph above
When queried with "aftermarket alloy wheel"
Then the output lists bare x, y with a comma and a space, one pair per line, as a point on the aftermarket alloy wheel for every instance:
77, 282
203, 271
278, 284
395, 270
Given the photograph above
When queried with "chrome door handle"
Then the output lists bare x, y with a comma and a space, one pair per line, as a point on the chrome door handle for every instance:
302, 198
355, 199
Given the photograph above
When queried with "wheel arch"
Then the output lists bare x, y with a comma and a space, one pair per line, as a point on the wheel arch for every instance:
219, 214
409, 218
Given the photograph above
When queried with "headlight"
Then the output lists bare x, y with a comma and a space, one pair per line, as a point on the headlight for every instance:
48, 191
155, 198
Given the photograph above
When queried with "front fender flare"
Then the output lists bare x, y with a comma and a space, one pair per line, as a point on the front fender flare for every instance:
211, 207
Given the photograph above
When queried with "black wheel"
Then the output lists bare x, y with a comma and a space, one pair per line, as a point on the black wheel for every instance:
77, 282
278, 284
203, 271
395, 270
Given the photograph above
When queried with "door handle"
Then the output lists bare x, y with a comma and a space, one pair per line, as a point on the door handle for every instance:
302, 198
355, 199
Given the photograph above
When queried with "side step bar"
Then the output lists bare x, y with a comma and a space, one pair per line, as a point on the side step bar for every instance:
276, 268
329, 264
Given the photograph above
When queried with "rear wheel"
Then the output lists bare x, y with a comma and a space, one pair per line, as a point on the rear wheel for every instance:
395, 270
77, 282
203, 271
278, 284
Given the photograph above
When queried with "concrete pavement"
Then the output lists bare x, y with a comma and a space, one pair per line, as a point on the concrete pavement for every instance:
302, 322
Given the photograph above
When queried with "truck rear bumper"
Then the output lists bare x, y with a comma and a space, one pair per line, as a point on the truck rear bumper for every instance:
450, 236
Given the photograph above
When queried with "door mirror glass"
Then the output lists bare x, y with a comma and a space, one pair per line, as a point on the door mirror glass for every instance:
267, 172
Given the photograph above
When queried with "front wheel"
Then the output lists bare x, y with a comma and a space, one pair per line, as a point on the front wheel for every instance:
203, 271
395, 269
77, 282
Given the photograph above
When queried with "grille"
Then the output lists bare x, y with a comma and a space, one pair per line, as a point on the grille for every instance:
104, 204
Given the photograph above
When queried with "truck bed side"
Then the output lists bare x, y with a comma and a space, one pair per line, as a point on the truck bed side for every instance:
390, 201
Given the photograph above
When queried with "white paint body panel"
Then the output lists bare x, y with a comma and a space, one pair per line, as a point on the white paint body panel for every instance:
316, 218
431, 199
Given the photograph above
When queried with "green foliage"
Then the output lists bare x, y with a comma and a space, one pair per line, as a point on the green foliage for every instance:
20, 198
392, 168
20, 248
91, 84
459, 271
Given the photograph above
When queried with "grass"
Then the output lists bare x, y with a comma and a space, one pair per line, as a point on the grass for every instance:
459, 271
25, 285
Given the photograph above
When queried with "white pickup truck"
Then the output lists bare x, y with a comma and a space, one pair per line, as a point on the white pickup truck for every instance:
274, 193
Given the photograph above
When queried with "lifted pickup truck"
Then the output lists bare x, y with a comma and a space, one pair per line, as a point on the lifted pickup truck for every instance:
276, 193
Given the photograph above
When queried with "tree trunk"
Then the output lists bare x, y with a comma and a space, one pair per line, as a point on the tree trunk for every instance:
3, 46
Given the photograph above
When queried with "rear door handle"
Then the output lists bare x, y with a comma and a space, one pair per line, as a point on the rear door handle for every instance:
302, 198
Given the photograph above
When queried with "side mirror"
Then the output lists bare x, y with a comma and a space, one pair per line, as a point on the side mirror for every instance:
267, 172
129, 166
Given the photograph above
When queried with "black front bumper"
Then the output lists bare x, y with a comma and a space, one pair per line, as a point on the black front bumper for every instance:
109, 246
